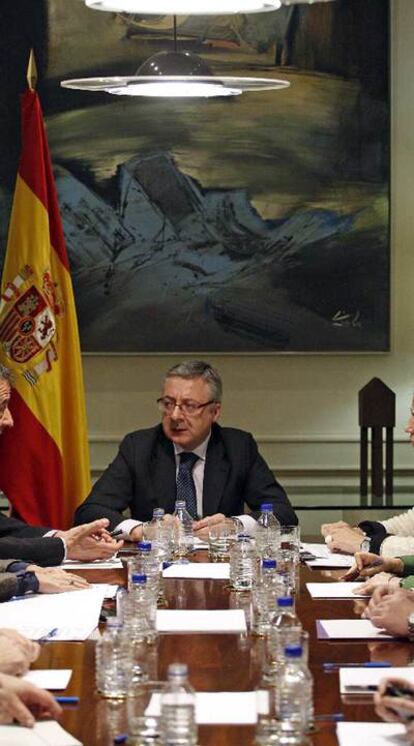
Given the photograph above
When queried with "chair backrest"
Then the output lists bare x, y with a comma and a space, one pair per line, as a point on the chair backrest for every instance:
376, 414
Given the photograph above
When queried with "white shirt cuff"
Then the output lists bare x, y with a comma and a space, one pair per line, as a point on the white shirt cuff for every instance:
249, 523
126, 527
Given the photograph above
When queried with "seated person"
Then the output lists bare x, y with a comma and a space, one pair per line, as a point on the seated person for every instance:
20, 578
390, 538
151, 469
398, 572
42, 545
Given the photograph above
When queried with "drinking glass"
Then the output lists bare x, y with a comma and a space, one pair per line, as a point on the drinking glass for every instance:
143, 713
221, 536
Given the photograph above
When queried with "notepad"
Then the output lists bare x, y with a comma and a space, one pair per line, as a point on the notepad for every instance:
374, 734
47, 733
326, 558
49, 678
350, 629
205, 620
362, 680
335, 590
209, 570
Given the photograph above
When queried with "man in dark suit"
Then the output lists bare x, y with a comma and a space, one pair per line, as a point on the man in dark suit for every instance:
227, 474
39, 544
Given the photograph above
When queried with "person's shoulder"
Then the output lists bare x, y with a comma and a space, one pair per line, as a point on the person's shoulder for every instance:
145, 435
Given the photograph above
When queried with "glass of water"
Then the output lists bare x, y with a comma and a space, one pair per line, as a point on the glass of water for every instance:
221, 537
143, 713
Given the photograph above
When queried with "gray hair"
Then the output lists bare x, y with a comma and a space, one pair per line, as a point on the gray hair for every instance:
199, 369
6, 374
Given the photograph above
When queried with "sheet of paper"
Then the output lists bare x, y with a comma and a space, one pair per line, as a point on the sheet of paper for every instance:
350, 629
74, 615
112, 564
358, 680
374, 734
49, 678
334, 590
325, 558
236, 708
334, 560
217, 620
108, 589
47, 733
215, 570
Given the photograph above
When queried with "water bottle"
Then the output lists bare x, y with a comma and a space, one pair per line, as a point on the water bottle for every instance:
159, 531
178, 723
292, 698
285, 629
267, 532
140, 610
183, 535
265, 593
112, 661
120, 601
243, 564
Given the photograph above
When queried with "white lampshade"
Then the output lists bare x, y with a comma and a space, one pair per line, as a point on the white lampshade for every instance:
185, 7
175, 86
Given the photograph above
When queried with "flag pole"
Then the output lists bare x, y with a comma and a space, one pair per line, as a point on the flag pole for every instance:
31, 75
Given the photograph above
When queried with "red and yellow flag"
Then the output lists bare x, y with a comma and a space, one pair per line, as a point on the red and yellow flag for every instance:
44, 460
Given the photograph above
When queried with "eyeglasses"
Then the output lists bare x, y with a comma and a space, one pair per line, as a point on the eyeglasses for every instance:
187, 406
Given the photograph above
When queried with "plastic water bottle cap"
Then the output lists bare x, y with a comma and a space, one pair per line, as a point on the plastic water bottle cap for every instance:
293, 651
144, 546
158, 512
179, 504
177, 669
139, 579
285, 601
269, 564
266, 508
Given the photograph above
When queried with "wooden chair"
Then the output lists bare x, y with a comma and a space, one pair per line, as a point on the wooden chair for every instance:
376, 413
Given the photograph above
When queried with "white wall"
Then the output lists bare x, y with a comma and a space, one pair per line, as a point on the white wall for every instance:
302, 409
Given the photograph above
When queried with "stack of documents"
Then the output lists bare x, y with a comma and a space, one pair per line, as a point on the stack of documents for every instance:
110, 564
325, 558
57, 616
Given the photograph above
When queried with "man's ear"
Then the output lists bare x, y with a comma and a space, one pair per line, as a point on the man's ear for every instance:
217, 411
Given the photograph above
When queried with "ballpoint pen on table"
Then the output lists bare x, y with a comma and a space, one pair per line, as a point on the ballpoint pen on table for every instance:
49, 635
367, 664
68, 700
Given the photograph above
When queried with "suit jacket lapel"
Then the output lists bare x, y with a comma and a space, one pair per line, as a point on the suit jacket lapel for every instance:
162, 474
215, 473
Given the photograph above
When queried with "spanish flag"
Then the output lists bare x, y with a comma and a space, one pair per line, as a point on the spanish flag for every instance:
44, 460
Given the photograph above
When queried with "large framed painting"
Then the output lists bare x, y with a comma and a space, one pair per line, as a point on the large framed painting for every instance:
256, 223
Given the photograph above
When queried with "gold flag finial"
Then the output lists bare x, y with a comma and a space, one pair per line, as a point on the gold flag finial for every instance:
31, 72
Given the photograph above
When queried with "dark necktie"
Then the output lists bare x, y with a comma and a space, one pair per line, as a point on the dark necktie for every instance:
185, 482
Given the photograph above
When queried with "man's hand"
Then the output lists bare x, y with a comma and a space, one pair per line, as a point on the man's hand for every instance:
54, 580
16, 652
380, 580
24, 702
368, 564
390, 610
395, 709
90, 541
327, 528
201, 527
137, 533
344, 539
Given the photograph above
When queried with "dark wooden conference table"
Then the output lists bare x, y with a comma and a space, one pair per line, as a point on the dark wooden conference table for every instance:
220, 662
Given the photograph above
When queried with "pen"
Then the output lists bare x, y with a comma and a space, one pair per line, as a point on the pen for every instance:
368, 664
48, 636
116, 532
121, 738
67, 700
332, 716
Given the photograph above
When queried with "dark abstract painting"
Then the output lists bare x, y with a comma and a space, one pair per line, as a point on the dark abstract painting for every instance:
258, 223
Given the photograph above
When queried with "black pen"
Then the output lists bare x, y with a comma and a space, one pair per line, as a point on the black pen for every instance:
116, 532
